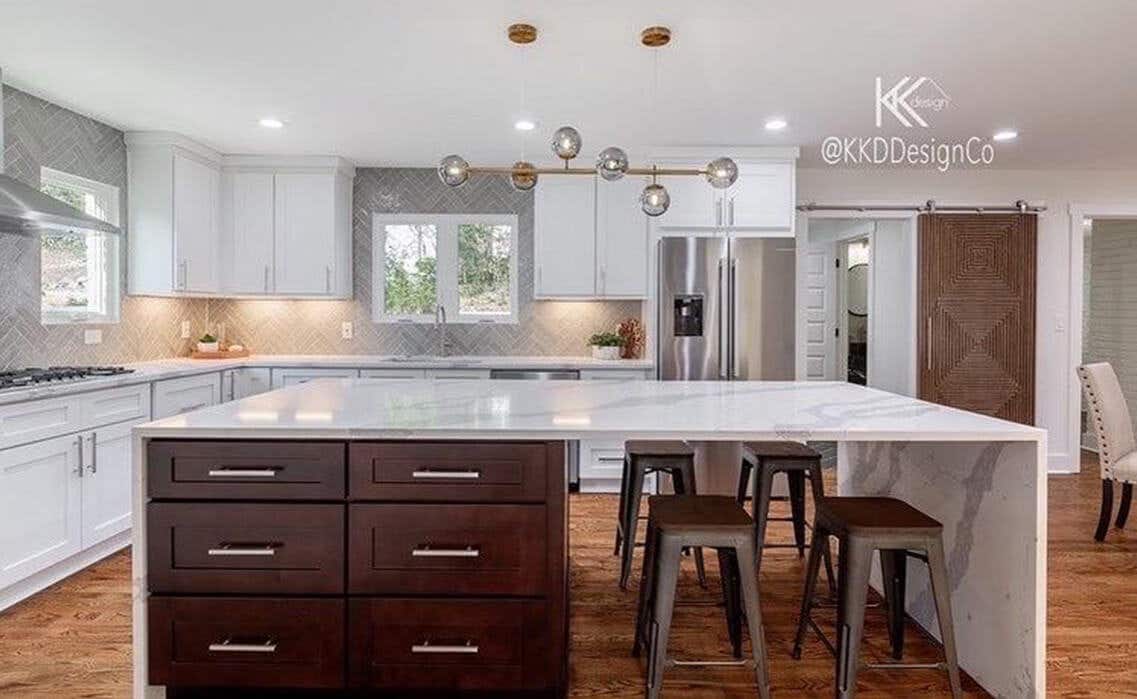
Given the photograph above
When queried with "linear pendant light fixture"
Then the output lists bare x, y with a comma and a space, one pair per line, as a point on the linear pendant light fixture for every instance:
611, 163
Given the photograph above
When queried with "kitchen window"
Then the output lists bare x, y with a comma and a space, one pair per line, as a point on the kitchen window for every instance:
464, 263
79, 270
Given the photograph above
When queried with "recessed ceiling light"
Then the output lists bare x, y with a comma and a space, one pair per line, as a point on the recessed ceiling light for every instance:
775, 124
271, 123
1006, 135
524, 125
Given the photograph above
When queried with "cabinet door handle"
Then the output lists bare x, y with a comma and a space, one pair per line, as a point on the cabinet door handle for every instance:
79, 447
611, 459
230, 646
732, 211
266, 279
192, 408
467, 474
426, 551
328, 279
184, 270
228, 549
227, 472
94, 465
459, 648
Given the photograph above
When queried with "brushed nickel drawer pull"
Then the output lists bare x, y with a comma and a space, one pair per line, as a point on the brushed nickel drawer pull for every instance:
226, 472
425, 551
610, 459
466, 648
469, 474
228, 549
228, 646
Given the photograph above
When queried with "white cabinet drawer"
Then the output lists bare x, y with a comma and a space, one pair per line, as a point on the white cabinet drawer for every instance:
601, 459
291, 377
393, 373
177, 396
614, 374
115, 405
458, 373
22, 423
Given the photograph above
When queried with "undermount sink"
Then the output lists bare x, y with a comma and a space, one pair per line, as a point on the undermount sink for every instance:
449, 361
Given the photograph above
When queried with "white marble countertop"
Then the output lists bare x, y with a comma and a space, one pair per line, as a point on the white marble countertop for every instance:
158, 369
488, 409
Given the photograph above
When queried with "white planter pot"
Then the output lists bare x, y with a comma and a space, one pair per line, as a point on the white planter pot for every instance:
605, 352
209, 347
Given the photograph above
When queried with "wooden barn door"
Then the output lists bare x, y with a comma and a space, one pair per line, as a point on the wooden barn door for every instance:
977, 301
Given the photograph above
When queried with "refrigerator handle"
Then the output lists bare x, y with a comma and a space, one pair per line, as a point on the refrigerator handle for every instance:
723, 338
733, 289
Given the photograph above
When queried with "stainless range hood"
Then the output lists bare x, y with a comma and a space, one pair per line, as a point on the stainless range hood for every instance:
25, 210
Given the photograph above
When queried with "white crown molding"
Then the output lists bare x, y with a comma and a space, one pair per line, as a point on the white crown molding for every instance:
143, 139
289, 163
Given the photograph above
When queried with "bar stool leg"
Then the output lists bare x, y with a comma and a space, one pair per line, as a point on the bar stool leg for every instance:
644, 601
941, 590
853, 568
763, 487
819, 543
894, 575
817, 485
683, 479
731, 594
623, 504
748, 575
663, 602
743, 480
797, 508
631, 520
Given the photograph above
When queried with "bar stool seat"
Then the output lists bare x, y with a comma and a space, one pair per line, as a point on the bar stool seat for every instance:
674, 458
898, 531
676, 522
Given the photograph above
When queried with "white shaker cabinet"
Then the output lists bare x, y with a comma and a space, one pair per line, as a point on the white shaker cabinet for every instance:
564, 237
248, 212
762, 197
621, 239
244, 382
291, 377
305, 219
106, 484
174, 215
40, 500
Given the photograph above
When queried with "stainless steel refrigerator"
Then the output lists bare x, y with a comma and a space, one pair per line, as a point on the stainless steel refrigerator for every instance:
726, 309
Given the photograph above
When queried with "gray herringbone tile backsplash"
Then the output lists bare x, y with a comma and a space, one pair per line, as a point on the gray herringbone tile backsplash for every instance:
41, 134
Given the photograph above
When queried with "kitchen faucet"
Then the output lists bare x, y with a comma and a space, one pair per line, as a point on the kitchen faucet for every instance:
440, 323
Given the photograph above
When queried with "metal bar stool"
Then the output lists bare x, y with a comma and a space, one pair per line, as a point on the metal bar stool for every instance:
641, 457
799, 463
899, 531
676, 522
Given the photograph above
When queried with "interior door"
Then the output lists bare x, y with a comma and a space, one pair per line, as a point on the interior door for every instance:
39, 506
977, 312
819, 303
107, 484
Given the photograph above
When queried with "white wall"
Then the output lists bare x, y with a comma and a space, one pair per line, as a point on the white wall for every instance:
1057, 189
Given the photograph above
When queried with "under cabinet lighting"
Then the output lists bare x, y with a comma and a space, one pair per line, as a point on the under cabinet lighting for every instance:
271, 123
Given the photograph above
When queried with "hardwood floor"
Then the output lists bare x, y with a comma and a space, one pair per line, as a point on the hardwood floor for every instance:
73, 640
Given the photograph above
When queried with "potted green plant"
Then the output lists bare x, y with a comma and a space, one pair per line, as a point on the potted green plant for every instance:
208, 343
606, 345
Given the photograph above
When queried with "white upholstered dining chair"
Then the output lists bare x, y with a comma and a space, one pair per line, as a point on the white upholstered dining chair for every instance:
1117, 445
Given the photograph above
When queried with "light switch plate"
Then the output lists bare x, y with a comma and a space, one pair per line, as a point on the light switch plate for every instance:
92, 337
347, 330
185, 329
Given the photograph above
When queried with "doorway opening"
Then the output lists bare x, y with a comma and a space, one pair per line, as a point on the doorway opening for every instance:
853, 292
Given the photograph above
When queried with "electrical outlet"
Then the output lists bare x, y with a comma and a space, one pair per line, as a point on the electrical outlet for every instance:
347, 330
92, 337
185, 329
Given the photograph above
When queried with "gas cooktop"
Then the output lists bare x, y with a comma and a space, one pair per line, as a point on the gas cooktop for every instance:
24, 378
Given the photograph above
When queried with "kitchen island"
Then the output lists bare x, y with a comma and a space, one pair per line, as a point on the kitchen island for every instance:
412, 534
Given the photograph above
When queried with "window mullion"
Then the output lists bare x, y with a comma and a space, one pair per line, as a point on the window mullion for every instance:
448, 266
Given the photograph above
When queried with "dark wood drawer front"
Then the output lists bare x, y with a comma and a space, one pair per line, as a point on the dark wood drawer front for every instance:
448, 471
447, 549
450, 644
245, 548
247, 470
246, 642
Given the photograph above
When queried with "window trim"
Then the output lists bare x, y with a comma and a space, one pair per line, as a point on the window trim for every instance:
111, 251
446, 288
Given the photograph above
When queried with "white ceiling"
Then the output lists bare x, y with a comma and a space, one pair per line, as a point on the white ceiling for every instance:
403, 83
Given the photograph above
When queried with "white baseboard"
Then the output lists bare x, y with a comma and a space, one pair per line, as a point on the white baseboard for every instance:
1062, 463
47, 577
